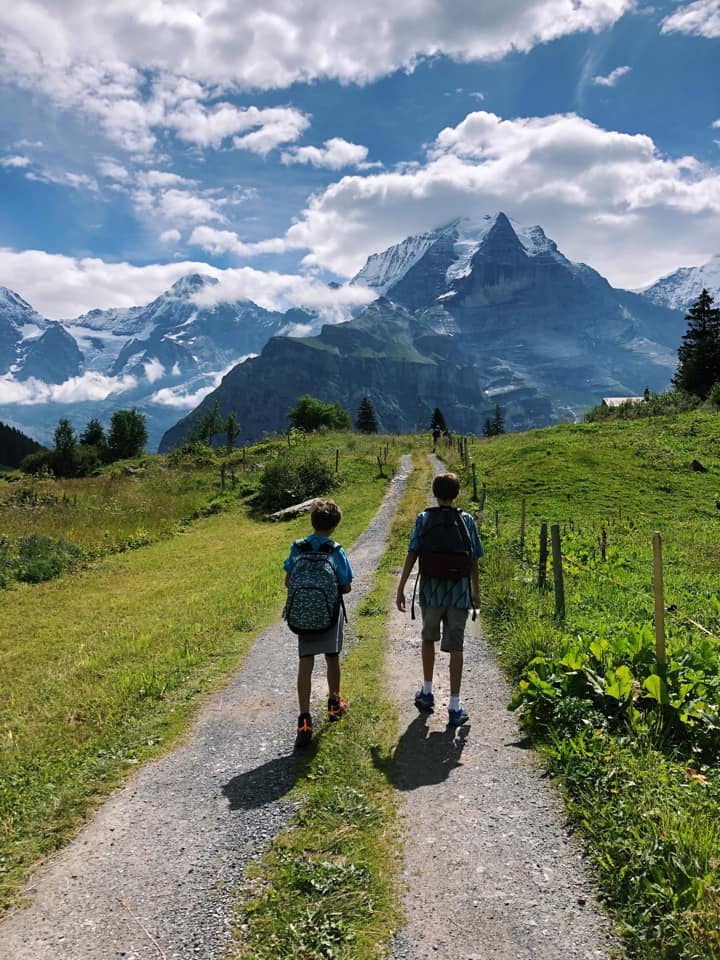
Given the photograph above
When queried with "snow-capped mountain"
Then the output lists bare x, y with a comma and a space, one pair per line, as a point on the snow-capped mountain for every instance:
160, 357
680, 289
475, 313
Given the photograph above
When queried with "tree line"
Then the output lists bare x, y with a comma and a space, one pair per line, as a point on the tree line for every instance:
79, 456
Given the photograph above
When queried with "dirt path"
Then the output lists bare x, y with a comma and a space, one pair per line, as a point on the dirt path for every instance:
491, 871
152, 876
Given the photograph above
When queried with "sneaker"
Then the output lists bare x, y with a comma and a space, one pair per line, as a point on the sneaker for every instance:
304, 731
424, 701
336, 708
456, 718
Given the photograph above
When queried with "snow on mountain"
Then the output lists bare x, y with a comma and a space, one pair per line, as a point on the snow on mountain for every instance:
680, 289
17, 314
467, 235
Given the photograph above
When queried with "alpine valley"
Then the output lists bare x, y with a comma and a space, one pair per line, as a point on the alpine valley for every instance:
473, 314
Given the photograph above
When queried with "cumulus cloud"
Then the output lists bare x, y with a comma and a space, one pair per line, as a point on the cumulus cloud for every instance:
184, 398
612, 78
602, 195
218, 242
170, 237
112, 170
90, 386
701, 19
334, 154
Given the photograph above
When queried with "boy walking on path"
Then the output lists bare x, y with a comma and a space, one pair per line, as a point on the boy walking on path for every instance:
317, 573
447, 542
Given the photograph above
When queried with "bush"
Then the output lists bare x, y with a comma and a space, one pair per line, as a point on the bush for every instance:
293, 477
311, 414
42, 558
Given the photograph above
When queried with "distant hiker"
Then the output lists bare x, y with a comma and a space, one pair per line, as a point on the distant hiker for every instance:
318, 573
435, 437
446, 541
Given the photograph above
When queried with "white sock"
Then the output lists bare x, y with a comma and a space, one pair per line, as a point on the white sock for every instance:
427, 686
454, 703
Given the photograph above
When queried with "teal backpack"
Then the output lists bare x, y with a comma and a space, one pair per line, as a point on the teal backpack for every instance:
314, 601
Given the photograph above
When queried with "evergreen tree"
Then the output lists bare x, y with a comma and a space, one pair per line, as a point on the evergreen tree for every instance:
211, 424
232, 430
366, 422
128, 434
699, 353
93, 435
15, 445
488, 427
498, 421
438, 420
63, 458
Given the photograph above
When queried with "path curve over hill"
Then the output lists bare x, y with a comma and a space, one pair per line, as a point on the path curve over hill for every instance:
491, 872
152, 875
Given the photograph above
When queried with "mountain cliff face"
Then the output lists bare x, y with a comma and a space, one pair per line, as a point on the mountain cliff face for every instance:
474, 314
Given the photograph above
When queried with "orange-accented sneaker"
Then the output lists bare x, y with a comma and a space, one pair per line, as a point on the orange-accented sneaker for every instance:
304, 731
336, 708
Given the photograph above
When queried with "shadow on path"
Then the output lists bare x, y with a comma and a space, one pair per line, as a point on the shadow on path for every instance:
263, 785
422, 757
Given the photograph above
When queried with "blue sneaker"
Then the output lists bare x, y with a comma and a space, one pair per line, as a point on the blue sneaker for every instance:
424, 701
456, 718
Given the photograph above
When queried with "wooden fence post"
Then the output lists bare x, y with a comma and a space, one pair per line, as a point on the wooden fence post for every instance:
222, 477
603, 543
474, 479
557, 572
337, 460
659, 601
522, 528
542, 562
497, 523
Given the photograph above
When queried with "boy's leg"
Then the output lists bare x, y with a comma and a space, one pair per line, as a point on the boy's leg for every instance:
428, 660
304, 681
456, 669
333, 674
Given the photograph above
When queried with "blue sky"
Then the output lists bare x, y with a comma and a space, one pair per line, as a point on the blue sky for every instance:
281, 145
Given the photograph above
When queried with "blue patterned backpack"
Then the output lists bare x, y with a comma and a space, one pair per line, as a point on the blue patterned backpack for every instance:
314, 600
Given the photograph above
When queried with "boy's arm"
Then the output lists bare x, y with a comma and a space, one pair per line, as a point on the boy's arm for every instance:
474, 585
404, 574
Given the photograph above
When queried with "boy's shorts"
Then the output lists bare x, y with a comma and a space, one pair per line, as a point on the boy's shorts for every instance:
331, 641
453, 621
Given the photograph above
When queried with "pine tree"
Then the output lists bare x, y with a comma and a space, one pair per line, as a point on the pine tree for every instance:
93, 435
232, 430
699, 353
498, 421
128, 434
366, 422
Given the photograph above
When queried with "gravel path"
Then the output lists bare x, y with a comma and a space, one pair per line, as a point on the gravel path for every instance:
152, 876
491, 872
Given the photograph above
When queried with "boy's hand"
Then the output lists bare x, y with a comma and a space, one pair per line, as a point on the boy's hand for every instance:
475, 599
400, 601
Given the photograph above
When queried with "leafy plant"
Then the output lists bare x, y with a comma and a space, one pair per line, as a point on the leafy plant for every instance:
294, 476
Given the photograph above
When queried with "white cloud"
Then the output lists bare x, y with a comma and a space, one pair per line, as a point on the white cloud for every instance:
15, 161
112, 170
701, 19
90, 386
59, 286
610, 199
141, 68
64, 178
154, 370
219, 242
170, 237
612, 78
716, 124
185, 399
334, 154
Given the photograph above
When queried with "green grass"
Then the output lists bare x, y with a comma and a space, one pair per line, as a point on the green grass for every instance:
103, 667
328, 888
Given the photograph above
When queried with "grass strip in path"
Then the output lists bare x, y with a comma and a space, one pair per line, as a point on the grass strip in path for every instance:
104, 668
328, 885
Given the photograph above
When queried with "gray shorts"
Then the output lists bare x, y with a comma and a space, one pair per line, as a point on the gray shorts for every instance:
453, 621
331, 641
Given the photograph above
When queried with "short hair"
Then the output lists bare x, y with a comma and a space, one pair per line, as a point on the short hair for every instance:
325, 515
446, 486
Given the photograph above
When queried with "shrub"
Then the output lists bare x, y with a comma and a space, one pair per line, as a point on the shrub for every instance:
294, 476
312, 414
42, 558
